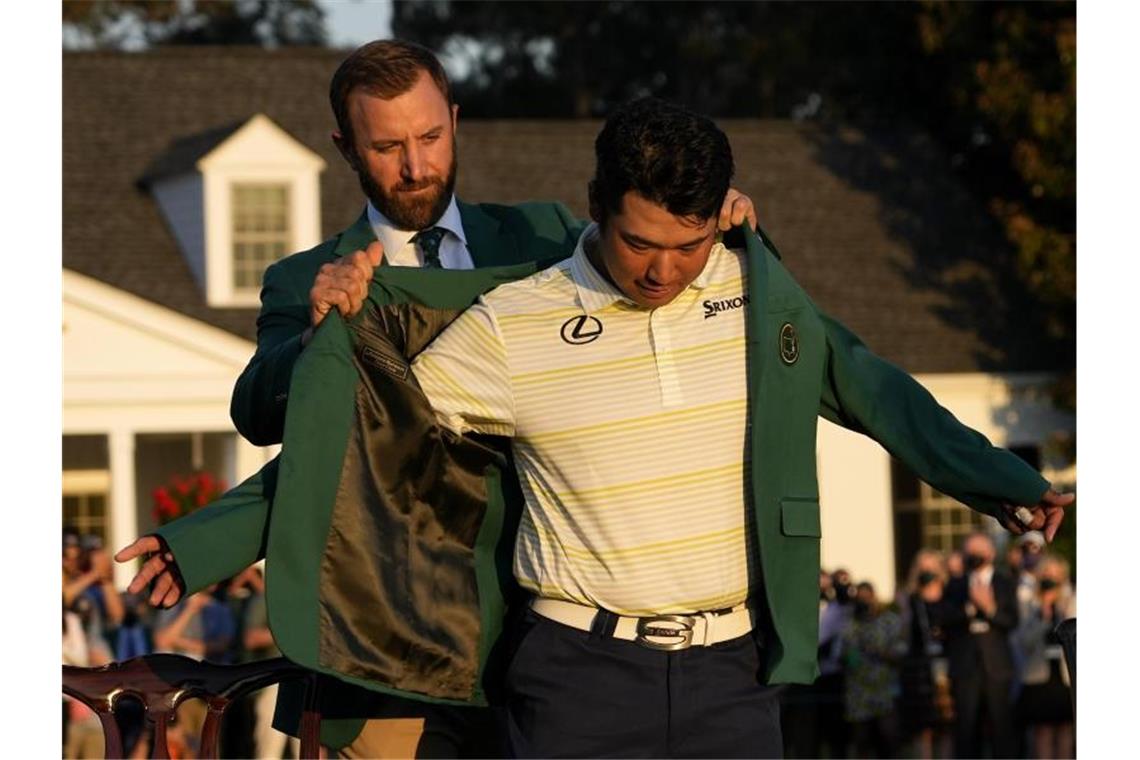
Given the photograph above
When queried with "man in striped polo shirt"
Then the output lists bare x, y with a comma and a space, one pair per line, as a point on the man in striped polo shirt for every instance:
629, 436
621, 375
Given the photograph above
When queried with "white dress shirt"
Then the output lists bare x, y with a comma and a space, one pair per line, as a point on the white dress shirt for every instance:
400, 251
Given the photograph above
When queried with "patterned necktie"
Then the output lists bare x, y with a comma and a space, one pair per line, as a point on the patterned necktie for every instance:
428, 240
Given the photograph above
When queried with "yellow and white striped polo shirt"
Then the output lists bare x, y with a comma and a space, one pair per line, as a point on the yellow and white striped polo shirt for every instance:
629, 431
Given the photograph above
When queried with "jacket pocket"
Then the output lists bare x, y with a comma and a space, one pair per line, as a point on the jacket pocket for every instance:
799, 516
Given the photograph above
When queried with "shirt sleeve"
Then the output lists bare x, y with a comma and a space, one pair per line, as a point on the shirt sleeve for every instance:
465, 376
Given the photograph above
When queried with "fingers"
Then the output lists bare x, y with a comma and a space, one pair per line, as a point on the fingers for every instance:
161, 587
1009, 521
1054, 499
343, 284
1053, 519
736, 208
150, 569
144, 545
172, 596
724, 219
375, 251
741, 210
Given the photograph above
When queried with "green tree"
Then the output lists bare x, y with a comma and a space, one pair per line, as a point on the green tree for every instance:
138, 24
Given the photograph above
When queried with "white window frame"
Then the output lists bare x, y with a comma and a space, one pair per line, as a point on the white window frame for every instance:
259, 153
85, 483
246, 291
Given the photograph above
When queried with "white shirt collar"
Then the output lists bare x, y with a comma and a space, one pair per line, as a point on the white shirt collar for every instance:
394, 239
594, 291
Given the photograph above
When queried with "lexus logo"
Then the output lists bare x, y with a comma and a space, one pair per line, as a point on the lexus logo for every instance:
581, 329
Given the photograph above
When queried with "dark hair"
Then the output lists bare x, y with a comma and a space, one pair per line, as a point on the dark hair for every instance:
670, 156
384, 69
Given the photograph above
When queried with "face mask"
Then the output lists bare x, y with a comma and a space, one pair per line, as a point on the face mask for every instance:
1048, 584
1030, 561
974, 561
925, 577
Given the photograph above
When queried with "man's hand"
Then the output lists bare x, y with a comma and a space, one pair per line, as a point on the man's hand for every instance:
160, 568
343, 284
736, 208
101, 564
1045, 516
982, 595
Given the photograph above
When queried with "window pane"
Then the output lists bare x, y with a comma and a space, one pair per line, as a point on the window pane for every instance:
261, 230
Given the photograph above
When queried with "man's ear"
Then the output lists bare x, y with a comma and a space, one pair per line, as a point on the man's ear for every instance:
454, 118
345, 148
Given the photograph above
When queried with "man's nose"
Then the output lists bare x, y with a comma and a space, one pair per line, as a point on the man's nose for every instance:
413, 166
662, 267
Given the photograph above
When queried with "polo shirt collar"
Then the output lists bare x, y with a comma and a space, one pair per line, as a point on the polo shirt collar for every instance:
594, 291
394, 239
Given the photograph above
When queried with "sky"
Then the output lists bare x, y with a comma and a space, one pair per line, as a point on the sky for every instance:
351, 23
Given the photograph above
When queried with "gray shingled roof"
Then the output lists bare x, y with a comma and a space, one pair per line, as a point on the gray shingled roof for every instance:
874, 225
183, 154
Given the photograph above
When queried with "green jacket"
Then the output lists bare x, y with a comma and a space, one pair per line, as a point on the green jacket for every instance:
339, 536
496, 236
213, 546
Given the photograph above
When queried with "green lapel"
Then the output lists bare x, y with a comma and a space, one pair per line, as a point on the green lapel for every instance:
757, 304
487, 242
355, 238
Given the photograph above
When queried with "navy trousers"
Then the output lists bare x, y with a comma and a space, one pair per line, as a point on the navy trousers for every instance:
572, 693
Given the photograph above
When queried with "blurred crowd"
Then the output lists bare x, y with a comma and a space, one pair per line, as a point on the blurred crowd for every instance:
964, 662
226, 624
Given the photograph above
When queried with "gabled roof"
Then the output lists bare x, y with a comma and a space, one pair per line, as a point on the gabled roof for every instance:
873, 224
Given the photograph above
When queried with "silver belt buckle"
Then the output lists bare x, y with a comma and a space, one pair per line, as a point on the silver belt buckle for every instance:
652, 627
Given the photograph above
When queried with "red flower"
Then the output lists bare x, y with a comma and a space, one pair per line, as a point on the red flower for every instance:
184, 494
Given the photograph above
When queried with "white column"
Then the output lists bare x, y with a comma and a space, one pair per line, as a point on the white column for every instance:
124, 517
248, 458
857, 508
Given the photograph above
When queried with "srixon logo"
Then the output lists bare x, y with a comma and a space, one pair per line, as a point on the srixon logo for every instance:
712, 308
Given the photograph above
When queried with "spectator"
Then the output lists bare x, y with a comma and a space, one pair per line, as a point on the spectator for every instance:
1045, 703
1032, 545
200, 627
84, 732
834, 731
89, 591
979, 611
258, 644
926, 704
799, 704
873, 646
955, 565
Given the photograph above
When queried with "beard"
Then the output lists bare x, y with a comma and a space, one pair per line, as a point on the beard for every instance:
408, 211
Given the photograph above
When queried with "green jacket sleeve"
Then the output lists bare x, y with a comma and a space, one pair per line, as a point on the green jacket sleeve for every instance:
226, 536
258, 404
869, 395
